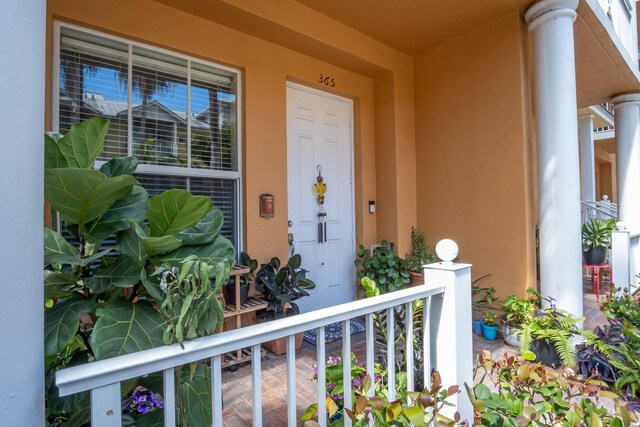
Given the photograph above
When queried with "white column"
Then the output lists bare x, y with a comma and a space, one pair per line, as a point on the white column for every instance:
22, 80
627, 124
551, 23
587, 158
450, 326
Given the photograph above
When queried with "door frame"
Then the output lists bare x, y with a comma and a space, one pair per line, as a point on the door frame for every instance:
352, 174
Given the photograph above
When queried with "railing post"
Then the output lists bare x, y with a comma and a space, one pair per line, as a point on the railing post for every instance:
450, 324
105, 406
620, 257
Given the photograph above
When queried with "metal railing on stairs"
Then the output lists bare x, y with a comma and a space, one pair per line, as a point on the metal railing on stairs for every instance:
602, 210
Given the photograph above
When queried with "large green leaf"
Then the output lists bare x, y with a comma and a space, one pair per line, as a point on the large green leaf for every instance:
174, 211
56, 248
53, 157
58, 251
125, 271
82, 195
130, 244
124, 327
196, 396
80, 417
59, 285
133, 208
61, 323
160, 245
219, 250
82, 145
205, 231
119, 166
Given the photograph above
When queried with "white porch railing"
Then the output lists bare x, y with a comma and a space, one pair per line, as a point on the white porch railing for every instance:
602, 210
447, 348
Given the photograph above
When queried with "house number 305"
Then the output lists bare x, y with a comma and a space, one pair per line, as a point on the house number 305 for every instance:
327, 81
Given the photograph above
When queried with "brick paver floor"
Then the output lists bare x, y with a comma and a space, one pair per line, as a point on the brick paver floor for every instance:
237, 385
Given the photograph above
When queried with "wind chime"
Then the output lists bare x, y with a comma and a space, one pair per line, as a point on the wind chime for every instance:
320, 189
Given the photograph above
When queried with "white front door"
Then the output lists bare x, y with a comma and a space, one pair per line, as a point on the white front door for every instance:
319, 136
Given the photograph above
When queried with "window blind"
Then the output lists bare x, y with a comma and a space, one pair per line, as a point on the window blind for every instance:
176, 114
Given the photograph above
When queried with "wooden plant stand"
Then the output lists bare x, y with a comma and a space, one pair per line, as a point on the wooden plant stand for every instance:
253, 304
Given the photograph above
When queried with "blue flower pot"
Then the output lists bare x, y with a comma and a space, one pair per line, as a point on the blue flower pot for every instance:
490, 332
477, 326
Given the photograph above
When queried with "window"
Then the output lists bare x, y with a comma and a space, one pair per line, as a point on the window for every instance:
176, 114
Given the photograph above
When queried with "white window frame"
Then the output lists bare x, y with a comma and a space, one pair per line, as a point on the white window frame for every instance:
160, 169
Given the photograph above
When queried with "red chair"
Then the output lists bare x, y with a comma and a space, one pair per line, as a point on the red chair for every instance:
596, 271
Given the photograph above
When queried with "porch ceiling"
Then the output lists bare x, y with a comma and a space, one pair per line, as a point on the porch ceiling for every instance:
601, 70
412, 26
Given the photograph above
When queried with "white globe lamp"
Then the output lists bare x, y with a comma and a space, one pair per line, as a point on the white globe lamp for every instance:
447, 251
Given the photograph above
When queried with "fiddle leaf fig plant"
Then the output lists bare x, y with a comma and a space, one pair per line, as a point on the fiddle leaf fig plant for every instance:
152, 287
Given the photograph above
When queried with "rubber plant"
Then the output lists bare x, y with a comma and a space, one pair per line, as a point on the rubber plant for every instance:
102, 297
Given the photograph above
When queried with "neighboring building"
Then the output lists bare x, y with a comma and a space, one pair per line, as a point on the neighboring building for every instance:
460, 118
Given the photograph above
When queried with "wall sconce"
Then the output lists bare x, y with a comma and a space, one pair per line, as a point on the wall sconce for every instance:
372, 206
267, 209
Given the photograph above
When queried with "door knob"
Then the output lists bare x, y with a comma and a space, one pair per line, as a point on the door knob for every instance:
290, 223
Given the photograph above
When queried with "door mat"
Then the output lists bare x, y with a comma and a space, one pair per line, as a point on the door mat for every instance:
333, 332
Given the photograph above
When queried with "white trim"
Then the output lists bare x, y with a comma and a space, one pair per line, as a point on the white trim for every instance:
239, 114
607, 134
189, 112
230, 70
182, 172
130, 101
55, 80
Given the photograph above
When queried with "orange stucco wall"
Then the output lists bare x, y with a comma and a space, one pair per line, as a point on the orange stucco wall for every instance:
378, 79
473, 152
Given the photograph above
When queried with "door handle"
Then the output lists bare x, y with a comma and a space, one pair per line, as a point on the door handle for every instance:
292, 247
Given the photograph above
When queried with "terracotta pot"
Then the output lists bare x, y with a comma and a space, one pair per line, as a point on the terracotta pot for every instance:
417, 279
279, 346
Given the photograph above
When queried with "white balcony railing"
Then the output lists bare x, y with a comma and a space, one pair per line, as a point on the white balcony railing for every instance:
447, 348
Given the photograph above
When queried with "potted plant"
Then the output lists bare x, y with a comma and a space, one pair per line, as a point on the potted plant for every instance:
244, 281
482, 299
151, 288
418, 257
383, 266
596, 238
490, 326
280, 287
517, 311
548, 336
